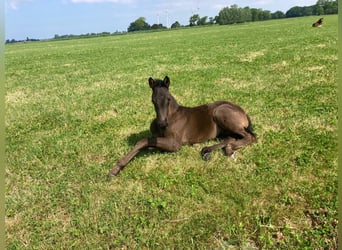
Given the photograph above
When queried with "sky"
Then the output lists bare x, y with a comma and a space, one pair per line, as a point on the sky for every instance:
43, 19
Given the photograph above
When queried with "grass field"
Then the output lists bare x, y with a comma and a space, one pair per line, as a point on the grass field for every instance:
75, 107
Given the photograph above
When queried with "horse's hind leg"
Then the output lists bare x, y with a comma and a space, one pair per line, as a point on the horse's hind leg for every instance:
206, 151
234, 144
229, 145
235, 125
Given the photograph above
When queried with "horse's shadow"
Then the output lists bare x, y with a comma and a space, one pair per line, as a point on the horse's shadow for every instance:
134, 138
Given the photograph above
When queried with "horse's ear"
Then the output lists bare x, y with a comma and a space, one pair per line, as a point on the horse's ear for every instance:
151, 82
167, 81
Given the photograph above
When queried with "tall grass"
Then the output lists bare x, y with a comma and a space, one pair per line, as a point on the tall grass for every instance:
73, 108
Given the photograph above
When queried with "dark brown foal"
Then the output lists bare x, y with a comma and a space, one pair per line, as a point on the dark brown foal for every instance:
176, 125
318, 23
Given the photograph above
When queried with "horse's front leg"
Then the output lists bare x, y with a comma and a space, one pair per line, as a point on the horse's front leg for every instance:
167, 144
120, 164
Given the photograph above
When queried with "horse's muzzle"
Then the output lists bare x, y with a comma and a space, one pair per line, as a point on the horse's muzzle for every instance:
162, 124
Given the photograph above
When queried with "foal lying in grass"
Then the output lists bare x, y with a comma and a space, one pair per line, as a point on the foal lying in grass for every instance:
176, 125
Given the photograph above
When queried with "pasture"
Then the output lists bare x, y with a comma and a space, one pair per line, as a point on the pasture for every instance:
74, 107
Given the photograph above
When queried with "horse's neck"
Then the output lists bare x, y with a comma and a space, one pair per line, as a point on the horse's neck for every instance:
174, 104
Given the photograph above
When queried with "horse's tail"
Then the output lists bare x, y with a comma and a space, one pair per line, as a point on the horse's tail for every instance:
249, 128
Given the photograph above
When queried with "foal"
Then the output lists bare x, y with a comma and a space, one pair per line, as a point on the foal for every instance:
318, 23
176, 125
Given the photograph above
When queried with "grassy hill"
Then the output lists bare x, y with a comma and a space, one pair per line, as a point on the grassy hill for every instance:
75, 107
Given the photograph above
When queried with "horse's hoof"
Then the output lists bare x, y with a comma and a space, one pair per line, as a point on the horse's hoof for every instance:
114, 172
205, 154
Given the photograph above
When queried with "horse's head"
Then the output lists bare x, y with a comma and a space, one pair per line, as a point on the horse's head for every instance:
161, 99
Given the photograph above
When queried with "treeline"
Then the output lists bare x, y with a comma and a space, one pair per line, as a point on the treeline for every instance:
141, 24
322, 7
235, 14
66, 37
18, 41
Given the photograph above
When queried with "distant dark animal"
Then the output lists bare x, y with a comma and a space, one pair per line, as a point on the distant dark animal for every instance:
176, 125
318, 23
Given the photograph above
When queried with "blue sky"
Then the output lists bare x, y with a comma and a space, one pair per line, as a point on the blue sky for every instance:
45, 18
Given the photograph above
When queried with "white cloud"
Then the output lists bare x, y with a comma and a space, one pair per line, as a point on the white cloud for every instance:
264, 2
219, 6
101, 1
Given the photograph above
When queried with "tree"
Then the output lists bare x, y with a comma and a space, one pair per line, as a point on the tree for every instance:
175, 25
320, 8
139, 24
202, 21
157, 26
234, 14
223, 17
307, 10
317, 10
194, 19
278, 14
325, 7
247, 14
255, 14
211, 20
294, 12
266, 15
330, 7
229, 15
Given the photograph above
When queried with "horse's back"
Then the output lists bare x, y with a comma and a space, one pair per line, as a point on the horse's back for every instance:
230, 106
197, 124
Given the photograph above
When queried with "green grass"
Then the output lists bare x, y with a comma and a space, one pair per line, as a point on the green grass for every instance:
75, 107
